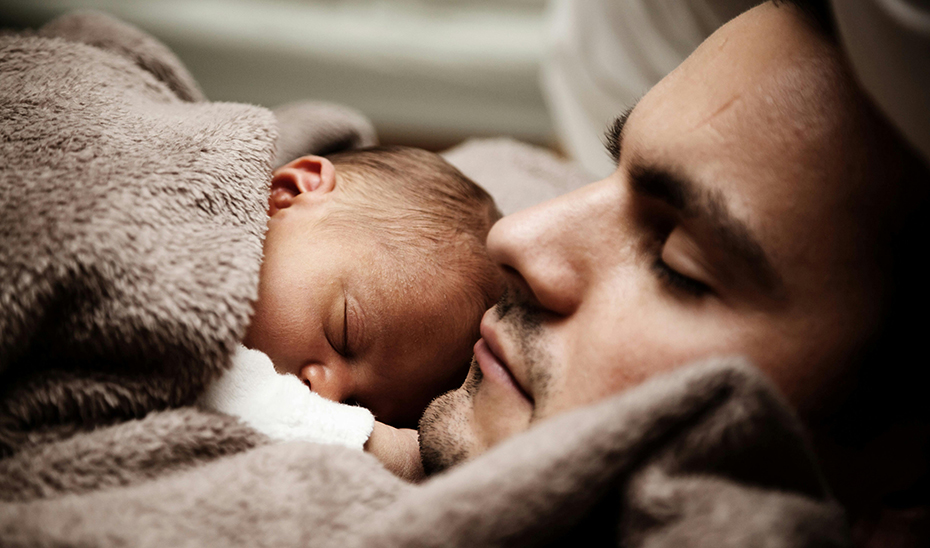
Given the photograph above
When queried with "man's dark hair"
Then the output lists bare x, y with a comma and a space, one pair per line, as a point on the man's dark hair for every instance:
817, 12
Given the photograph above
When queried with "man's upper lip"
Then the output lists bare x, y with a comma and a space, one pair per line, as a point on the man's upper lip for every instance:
489, 334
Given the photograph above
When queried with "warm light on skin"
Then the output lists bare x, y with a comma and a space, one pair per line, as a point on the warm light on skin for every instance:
755, 121
320, 283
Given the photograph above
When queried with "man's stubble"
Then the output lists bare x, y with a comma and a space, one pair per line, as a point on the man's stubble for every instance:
445, 432
445, 438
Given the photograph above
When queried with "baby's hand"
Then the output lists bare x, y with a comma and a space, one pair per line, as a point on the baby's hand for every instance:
398, 449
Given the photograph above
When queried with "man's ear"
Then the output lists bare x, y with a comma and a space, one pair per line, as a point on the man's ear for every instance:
308, 174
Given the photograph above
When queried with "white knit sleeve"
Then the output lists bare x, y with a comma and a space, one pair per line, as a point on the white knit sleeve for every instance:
281, 407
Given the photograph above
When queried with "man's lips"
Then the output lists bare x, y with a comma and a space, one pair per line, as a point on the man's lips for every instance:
488, 354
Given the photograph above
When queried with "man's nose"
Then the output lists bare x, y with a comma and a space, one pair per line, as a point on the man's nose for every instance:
332, 381
547, 249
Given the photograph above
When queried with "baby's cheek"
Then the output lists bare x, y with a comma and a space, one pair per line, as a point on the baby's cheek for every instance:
400, 399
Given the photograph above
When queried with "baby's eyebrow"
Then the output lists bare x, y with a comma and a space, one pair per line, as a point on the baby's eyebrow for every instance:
694, 201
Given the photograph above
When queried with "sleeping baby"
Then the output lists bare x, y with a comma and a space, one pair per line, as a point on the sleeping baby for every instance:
372, 287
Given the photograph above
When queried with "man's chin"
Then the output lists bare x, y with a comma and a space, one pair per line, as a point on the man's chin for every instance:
446, 435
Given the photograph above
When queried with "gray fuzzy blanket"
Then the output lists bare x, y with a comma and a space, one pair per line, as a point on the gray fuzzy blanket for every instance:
132, 213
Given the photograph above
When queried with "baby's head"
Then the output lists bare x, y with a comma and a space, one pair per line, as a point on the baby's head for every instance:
375, 277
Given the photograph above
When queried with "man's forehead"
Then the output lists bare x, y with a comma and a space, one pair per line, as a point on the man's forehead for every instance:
779, 115
764, 65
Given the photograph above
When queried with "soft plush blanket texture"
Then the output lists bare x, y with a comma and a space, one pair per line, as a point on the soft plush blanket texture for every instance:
132, 226
132, 213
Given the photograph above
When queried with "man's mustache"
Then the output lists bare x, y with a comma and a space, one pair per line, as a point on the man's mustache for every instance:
523, 319
515, 309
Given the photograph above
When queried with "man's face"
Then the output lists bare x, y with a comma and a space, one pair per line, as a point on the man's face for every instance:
735, 223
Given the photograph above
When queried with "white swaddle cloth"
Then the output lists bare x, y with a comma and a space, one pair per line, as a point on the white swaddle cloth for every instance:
282, 407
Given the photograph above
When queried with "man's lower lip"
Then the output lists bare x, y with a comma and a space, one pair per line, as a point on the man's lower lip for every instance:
491, 366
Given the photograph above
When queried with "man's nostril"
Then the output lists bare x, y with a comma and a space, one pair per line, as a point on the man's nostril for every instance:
514, 278
518, 290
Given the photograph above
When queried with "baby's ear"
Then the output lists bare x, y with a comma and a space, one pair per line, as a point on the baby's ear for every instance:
308, 174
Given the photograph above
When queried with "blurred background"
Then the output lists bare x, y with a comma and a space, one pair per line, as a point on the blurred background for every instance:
428, 73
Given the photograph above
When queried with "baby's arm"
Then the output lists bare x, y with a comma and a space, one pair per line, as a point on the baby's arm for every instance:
398, 449
281, 407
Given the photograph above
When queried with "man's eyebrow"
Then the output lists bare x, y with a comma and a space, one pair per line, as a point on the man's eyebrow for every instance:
732, 233
613, 136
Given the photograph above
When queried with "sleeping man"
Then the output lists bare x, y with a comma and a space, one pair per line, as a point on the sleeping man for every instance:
760, 207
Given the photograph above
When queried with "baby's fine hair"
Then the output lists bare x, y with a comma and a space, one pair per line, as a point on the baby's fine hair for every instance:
423, 207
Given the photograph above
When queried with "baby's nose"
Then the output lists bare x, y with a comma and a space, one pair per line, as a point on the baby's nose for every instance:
330, 381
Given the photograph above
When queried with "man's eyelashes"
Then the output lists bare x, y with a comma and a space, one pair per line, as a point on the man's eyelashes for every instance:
677, 280
612, 139
613, 136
